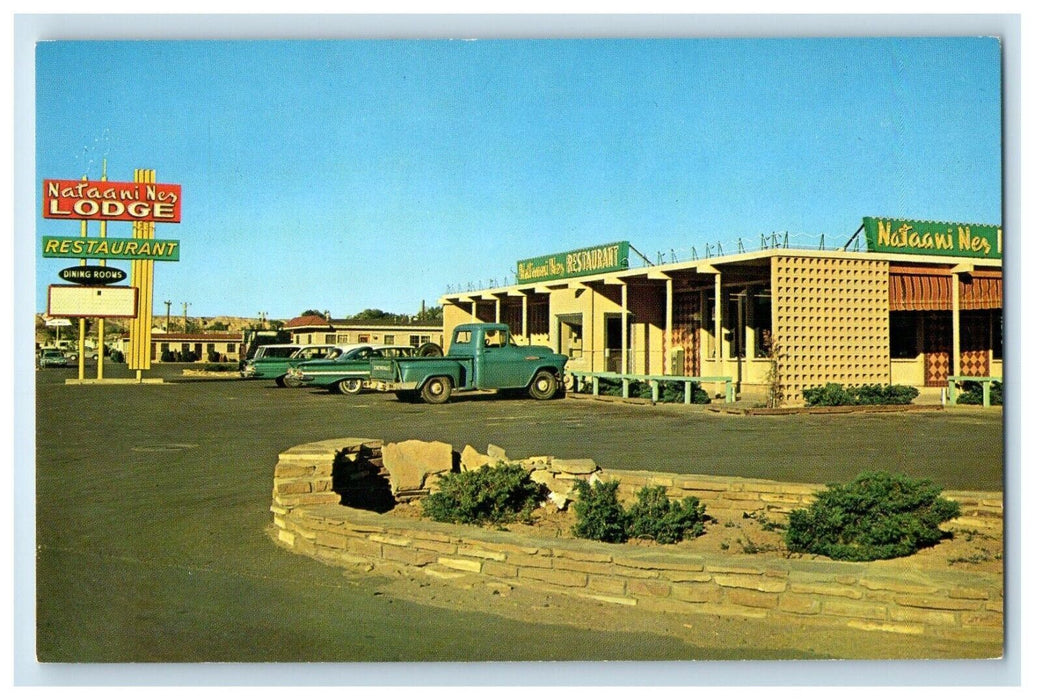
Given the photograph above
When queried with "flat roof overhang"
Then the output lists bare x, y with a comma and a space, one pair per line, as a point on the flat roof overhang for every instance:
748, 262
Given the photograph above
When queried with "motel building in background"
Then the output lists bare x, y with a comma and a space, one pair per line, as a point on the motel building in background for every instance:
921, 295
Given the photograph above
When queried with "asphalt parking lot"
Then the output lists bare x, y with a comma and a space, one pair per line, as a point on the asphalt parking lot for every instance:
152, 503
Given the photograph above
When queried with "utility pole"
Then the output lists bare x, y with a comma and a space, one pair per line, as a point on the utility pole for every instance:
166, 328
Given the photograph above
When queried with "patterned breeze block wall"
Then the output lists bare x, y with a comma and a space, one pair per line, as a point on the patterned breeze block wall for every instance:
831, 323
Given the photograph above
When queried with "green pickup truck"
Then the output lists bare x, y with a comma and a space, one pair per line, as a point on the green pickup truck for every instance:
481, 356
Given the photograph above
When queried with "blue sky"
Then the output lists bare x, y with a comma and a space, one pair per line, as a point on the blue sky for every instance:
344, 175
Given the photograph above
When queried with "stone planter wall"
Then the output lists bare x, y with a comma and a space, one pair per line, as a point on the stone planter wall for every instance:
873, 596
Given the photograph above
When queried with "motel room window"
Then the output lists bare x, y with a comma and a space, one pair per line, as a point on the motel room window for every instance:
230, 347
904, 340
330, 339
418, 340
363, 337
388, 340
164, 347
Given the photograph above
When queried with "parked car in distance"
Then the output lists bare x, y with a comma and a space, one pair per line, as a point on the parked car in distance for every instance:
270, 351
53, 358
269, 366
347, 373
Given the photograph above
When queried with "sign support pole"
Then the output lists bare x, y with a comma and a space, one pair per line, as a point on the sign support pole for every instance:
83, 321
101, 319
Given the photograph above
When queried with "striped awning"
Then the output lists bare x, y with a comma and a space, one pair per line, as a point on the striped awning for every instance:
930, 289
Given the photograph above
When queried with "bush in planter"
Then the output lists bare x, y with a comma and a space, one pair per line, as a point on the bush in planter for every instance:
877, 516
663, 520
600, 516
973, 394
492, 494
167, 356
598, 513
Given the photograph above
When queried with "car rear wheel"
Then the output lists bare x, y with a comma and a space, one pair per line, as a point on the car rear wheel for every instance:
349, 386
280, 382
543, 386
436, 390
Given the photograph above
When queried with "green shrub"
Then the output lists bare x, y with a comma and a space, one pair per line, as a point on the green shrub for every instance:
877, 516
492, 494
663, 520
598, 513
167, 356
600, 516
116, 356
218, 367
828, 395
864, 395
973, 394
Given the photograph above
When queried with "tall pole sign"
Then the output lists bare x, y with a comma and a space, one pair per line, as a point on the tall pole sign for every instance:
140, 357
143, 202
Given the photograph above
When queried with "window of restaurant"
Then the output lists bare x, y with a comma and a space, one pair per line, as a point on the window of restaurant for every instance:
904, 335
761, 322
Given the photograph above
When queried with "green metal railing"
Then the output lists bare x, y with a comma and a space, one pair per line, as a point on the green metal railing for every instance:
984, 381
653, 380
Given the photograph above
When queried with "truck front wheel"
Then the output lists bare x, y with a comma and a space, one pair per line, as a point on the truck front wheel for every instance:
543, 386
436, 390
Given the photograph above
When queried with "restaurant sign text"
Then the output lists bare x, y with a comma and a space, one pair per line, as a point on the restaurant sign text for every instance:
609, 257
933, 238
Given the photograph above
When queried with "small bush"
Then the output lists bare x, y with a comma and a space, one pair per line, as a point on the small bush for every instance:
600, 516
116, 356
864, 395
877, 516
598, 513
663, 520
218, 367
492, 494
973, 394
167, 356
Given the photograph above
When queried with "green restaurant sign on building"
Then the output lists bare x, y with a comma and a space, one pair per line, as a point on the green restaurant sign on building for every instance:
933, 238
609, 257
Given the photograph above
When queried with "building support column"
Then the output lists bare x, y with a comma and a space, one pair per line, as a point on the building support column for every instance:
718, 323
474, 310
498, 302
956, 348
524, 318
668, 344
625, 329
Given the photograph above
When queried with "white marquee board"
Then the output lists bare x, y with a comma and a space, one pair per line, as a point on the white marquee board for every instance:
94, 302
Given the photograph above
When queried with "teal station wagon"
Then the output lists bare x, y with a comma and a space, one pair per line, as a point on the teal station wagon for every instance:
275, 367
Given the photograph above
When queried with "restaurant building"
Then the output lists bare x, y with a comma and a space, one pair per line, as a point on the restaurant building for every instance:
776, 320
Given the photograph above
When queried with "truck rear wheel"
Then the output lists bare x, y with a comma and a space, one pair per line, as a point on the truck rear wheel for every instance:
543, 386
436, 390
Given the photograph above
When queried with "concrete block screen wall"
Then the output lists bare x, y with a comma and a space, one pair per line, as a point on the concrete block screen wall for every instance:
831, 321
